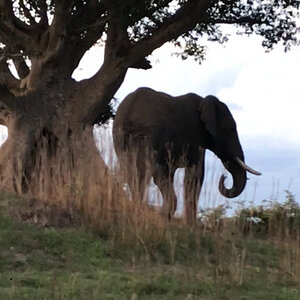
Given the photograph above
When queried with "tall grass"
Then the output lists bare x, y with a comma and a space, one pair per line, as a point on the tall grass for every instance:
220, 247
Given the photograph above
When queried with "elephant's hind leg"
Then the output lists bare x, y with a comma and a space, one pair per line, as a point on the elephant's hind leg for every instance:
164, 181
133, 171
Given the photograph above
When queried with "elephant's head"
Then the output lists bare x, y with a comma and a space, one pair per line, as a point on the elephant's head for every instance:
222, 139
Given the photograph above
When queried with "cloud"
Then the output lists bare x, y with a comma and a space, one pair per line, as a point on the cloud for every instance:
278, 160
176, 77
234, 106
267, 88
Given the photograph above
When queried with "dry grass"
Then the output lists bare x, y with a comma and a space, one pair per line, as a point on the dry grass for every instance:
83, 190
81, 193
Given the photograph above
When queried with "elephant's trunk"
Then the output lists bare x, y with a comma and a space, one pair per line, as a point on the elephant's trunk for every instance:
238, 170
239, 180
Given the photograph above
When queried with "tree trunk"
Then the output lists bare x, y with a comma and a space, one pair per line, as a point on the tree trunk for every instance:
50, 153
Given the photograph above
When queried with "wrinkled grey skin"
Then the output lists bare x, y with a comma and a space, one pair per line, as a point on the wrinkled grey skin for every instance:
157, 133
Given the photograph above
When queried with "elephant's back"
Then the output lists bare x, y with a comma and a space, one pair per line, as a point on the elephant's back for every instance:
143, 108
155, 115
144, 103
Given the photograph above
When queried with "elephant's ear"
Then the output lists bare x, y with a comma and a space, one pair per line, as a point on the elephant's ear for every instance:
208, 114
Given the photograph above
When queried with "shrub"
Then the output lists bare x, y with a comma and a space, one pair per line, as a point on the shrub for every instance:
274, 219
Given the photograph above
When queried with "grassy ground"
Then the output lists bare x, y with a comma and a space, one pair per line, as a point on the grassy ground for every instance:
38, 262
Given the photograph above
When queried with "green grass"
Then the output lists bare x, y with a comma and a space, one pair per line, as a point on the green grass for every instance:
75, 263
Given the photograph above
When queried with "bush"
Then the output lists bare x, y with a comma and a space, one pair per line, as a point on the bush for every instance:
274, 219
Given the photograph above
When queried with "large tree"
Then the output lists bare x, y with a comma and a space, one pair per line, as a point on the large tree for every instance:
50, 116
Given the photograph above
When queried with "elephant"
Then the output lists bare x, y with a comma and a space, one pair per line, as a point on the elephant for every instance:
155, 133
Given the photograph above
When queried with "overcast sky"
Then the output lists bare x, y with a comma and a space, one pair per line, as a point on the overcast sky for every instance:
262, 92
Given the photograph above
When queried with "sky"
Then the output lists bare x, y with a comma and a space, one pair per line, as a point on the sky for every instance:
261, 90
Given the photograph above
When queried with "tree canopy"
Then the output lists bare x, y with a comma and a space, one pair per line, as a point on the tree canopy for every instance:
132, 29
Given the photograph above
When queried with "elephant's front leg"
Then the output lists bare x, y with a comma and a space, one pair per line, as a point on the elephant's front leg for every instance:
164, 181
193, 179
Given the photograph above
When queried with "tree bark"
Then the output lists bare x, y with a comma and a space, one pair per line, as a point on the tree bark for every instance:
50, 152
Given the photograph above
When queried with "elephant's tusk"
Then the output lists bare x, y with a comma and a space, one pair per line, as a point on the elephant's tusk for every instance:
245, 167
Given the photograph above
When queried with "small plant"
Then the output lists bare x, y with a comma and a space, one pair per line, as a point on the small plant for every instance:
271, 219
212, 219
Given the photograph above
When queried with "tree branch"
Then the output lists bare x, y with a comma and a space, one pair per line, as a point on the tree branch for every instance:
149, 12
59, 26
13, 31
12, 21
84, 41
6, 78
86, 26
44, 22
27, 13
98, 93
11, 52
8, 105
185, 19
21, 66
236, 20
99, 90
7, 11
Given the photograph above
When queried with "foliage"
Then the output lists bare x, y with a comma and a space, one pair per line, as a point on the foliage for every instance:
213, 218
140, 21
273, 219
